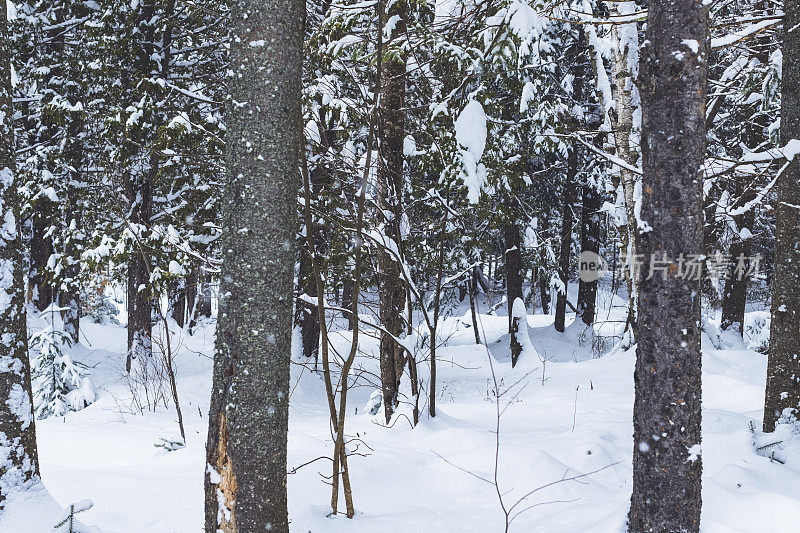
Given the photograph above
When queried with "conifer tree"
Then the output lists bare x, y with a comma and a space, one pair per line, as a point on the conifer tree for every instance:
245, 482
783, 368
18, 455
667, 464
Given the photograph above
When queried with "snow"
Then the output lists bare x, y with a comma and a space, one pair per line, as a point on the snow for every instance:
744, 33
570, 415
470, 127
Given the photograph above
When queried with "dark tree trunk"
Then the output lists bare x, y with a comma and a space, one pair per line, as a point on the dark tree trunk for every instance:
667, 465
734, 296
204, 298
513, 282
17, 427
191, 298
391, 133
565, 251
544, 292
590, 242
177, 301
245, 483
473, 291
41, 249
308, 317
139, 192
783, 368
140, 310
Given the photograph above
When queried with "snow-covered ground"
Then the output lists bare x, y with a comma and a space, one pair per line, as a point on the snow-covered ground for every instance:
565, 418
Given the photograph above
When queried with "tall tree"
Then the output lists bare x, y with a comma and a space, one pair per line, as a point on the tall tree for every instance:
513, 255
666, 418
18, 455
391, 132
590, 242
565, 249
783, 367
245, 483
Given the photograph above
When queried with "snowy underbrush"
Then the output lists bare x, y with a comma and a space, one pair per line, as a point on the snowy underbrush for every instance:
562, 455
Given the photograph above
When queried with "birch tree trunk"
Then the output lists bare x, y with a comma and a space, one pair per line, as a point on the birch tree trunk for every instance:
625, 64
245, 482
783, 367
667, 465
18, 455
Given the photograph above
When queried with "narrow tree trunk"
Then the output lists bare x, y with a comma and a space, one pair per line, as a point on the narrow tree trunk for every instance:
20, 461
783, 367
204, 298
177, 301
513, 282
191, 298
41, 249
437, 298
391, 133
667, 464
590, 242
473, 291
308, 317
625, 63
139, 192
734, 296
245, 484
566, 239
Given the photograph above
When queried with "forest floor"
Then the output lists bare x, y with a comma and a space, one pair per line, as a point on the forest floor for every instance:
566, 417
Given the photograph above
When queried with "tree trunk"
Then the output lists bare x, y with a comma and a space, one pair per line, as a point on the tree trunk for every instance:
391, 133
734, 296
513, 282
204, 298
667, 465
191, 298
783, 367
308, 317
245, 483
17, 428
544, 292
625, 62
473, 291
139, 192
566, 239
177, 301
41, 250
590, 242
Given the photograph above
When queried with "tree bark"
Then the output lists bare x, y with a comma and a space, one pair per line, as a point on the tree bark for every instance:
513, 265
625, 64
391, 133
41, 250
566, 238
139, 192
245, 483
667, 464
17, 428
734, 296
177, 301
590, 242
308, 318
783, 367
